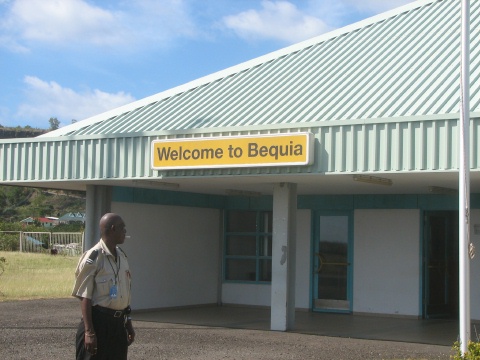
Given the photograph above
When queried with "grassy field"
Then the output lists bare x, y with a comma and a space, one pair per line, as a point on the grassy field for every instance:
36, 276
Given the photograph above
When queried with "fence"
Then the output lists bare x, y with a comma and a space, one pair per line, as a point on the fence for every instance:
56, 243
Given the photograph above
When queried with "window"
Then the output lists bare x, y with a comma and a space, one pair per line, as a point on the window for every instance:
248, 246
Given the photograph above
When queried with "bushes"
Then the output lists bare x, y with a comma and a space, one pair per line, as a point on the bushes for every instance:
9, 242
74, 227
6, 226
473, 351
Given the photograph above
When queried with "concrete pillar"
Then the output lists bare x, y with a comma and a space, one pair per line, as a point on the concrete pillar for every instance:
99, 200
283, 257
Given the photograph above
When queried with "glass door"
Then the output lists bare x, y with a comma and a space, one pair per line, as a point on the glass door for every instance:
441, 265
332, 264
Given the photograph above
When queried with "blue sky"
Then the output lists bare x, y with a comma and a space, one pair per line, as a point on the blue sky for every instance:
72, 59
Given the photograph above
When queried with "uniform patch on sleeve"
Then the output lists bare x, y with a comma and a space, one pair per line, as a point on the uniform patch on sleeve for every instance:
92, 257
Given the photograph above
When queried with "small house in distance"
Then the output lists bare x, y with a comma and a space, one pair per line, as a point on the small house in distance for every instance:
70, 218
46, 222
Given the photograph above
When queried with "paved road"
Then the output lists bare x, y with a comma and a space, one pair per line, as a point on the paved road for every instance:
45, 329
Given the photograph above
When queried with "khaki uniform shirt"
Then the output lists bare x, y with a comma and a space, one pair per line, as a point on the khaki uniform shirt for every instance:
97, 273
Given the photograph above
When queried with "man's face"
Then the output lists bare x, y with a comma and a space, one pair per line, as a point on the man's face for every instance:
119, 230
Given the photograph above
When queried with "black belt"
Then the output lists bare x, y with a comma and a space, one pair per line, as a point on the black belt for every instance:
114, 313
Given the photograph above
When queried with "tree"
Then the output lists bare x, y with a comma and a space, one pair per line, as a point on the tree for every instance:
54, 123
12, 198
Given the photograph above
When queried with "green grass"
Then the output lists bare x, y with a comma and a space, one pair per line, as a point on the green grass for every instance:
36, 276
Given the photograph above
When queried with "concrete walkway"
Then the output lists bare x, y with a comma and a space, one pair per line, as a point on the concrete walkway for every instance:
45, 330
435, 332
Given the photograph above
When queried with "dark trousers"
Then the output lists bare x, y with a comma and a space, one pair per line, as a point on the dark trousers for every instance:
111, 334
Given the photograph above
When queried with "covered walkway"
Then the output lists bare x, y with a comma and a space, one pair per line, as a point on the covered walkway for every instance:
435, 332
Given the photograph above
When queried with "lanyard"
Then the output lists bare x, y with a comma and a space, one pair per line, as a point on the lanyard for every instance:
118, 268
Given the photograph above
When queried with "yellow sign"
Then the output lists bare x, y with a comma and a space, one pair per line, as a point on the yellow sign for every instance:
235, 151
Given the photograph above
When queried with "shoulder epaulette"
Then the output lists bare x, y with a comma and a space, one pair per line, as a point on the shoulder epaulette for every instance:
92, 257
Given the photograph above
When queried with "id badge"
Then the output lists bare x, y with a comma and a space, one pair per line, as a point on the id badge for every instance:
113, 292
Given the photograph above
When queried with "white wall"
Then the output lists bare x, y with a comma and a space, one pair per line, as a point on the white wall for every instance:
173, 253
475, 267
259, 295
246, 294
387, 267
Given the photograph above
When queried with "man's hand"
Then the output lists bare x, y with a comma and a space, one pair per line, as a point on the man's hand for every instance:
91, 342
130, 332
90, 337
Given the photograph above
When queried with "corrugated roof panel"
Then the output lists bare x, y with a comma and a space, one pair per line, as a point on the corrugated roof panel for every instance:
129, 119
255, 107
254, 88
262, 87
348, 84
402, 64
399, 77
475, 59
349, 147
396, 79
426, 82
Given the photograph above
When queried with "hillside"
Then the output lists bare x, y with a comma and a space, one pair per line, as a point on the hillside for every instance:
18, 203
19, 132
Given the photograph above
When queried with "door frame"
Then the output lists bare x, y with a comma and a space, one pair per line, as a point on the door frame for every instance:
316, 214
450, 246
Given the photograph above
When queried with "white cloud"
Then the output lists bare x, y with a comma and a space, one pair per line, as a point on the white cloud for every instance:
77, 22
60, 21
279, 20
128, 25
49, 99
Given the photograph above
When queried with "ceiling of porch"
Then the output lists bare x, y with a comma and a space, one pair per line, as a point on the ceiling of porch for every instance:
404, 183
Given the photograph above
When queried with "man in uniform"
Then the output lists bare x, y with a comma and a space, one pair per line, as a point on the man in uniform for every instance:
103, 285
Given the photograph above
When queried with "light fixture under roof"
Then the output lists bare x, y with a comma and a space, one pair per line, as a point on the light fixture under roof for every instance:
155, 184
373, 180
442, 190
242, 193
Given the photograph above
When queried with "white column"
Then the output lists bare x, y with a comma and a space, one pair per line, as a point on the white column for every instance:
283, 257
98, 203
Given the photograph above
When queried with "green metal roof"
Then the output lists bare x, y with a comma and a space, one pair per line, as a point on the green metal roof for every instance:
403, 63
380, 97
